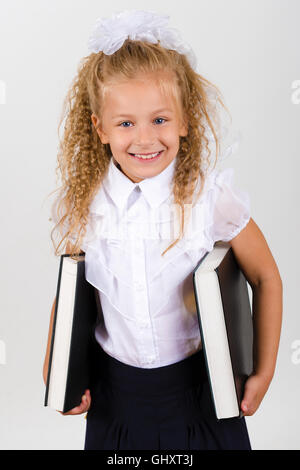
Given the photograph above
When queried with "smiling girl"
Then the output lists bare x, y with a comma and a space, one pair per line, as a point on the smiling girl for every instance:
135, 144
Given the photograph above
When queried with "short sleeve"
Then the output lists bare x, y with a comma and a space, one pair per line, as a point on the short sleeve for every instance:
231, 207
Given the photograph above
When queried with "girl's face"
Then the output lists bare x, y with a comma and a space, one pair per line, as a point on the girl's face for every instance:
138, 119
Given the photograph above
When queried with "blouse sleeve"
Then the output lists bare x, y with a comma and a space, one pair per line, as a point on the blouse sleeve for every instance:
231, 207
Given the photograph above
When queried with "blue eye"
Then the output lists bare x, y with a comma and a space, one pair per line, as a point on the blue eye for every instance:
160, 118
126, 122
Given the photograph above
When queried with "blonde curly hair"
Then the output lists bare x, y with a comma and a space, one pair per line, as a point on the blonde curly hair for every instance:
83, 160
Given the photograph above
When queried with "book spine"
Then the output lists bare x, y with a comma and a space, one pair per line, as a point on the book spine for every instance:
203, 342
53, 330
79, 276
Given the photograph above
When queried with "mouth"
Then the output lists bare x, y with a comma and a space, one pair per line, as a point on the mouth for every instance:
146, 158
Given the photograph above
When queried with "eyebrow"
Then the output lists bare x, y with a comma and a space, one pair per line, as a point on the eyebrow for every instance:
130, 115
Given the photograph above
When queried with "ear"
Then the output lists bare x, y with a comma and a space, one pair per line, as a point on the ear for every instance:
100, 132
183, 130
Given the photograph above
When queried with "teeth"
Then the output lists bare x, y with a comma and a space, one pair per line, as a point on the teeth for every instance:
146, 157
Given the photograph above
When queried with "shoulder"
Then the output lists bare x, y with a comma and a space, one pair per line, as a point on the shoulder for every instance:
218, 176
213, 180
224, 186
70, 249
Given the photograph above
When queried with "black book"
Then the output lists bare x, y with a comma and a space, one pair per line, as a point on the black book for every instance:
226, 328
73, 341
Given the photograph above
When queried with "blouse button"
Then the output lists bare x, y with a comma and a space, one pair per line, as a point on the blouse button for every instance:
144, 324
139, 286
150, 359
113, 242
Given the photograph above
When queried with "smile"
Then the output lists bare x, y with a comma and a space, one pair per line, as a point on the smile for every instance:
150, 157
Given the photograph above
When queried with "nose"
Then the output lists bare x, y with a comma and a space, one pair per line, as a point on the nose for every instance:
145, 136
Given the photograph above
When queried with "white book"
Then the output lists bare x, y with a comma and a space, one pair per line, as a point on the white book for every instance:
225, 321
73, 340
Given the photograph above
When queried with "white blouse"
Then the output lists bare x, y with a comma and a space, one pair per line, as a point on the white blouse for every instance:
149, 314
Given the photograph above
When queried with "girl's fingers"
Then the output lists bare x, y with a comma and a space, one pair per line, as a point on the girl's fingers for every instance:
83, 407
87, 399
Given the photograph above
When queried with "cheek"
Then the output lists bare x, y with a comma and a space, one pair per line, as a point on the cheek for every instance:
120, 140
170, 136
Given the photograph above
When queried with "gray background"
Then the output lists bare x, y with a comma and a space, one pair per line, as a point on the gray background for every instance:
250, 50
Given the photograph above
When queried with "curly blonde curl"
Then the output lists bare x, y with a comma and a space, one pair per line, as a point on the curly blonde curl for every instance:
83, 160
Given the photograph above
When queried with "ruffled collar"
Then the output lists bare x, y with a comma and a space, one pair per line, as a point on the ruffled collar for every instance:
155, 189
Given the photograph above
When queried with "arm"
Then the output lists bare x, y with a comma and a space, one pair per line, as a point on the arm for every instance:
259, 267
46, 360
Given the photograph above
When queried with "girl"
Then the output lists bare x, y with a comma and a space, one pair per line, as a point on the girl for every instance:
135, 163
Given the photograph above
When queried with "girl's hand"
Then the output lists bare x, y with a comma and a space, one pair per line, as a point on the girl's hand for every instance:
255, 389
83, 407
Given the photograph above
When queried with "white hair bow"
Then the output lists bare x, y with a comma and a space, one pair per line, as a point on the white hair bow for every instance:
109, 34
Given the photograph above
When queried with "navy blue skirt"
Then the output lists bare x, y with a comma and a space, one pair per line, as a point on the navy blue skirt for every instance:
162, 408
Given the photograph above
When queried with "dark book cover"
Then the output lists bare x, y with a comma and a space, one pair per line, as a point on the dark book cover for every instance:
83, 343
238, 319
237, 313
